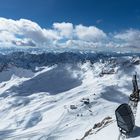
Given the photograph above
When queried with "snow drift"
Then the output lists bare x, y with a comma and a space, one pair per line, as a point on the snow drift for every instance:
62, 95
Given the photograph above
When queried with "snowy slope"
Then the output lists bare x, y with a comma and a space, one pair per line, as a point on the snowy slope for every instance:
43, 96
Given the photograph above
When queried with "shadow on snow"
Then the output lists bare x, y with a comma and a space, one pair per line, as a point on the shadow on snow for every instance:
54, 81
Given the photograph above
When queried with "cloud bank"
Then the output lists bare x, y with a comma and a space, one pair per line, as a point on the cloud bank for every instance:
24, 32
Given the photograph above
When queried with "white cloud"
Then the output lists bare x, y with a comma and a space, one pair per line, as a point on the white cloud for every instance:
17, 31
24, 42
51, 34
90, 33
28, 33
83, 44
31, 30
25, 32
6, 36
129, 37
64, 29
8, 25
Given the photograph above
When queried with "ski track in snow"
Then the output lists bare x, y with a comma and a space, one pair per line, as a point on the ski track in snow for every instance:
36, 105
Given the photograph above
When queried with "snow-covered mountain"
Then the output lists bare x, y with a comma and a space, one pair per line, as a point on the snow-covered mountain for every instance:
64, 95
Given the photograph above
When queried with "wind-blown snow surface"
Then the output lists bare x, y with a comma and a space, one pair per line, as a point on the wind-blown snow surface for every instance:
42, 95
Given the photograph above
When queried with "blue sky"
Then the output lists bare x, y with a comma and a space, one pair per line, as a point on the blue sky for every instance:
70, 23
109, 15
